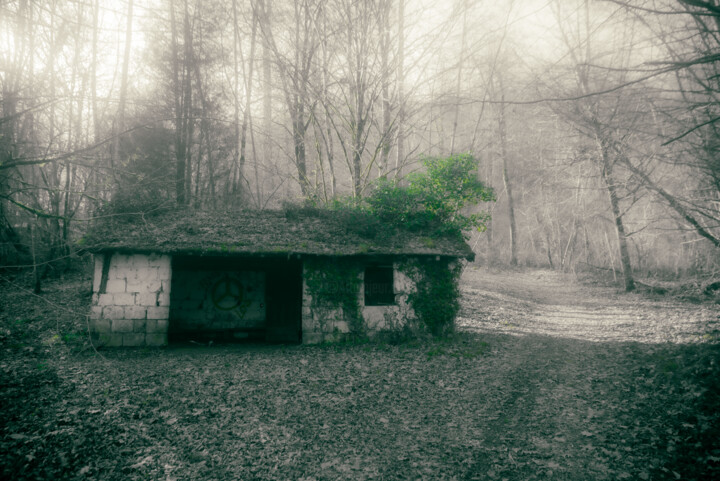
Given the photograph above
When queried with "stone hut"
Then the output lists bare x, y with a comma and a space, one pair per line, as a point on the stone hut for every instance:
293, 276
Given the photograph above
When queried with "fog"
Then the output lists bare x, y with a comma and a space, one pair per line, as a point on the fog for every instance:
594, 121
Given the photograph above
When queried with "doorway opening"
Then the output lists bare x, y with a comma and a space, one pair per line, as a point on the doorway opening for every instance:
235, 299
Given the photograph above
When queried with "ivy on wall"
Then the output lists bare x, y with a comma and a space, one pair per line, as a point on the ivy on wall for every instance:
436, 298
335, 284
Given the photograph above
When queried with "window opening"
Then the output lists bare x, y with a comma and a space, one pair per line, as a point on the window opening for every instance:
379, 286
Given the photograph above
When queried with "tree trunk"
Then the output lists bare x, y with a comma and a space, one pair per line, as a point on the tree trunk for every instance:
267, 89
299, 141
188, 103
37, 286
93, 73
384, 55
459, 79
400, 141
248, 95
506, 179
357, 135
617, 215
179, 126
120, 120
329, 142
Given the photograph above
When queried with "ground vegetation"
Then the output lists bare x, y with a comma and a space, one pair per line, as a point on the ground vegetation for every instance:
545, 378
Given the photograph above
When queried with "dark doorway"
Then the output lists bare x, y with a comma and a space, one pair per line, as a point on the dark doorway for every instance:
284, 302
235, 299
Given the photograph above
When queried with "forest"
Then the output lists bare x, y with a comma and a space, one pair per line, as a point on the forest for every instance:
594, 121
573, 143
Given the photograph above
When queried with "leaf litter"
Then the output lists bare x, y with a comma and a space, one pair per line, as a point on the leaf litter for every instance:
546, 378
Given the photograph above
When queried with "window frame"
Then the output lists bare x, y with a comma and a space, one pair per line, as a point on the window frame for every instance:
384, 298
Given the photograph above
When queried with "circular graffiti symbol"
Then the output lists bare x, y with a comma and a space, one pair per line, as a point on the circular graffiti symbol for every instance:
227, 294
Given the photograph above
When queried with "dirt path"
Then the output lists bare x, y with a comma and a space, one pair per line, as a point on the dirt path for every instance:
576, 369
552, 304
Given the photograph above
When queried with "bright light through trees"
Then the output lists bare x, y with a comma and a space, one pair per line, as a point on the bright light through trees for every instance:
595, 121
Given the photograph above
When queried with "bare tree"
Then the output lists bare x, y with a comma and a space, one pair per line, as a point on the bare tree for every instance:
502, 126
296, 72
596, 117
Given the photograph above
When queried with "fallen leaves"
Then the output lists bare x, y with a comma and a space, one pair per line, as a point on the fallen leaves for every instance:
497, 405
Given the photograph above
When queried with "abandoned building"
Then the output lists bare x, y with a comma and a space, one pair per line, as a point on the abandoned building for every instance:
278, 276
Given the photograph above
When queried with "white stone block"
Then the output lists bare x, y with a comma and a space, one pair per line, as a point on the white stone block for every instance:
154, 286
122, 325
342, 326
158, 312
120, 259
146, 299
96, 312
153, 274
115, 286
124, 299
135, 312
133, 339
144, 286
139, 325
402, 283
139, 261
113, 312
142, 274
163, 271
119, 271
105, 300
374, 316
153, 326
163, 299
101, 326
154, 260
309, 324
156, 339
111, 340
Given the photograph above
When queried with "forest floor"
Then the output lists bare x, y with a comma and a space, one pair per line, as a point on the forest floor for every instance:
547, 378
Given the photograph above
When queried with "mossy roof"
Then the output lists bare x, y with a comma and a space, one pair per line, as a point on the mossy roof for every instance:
268, 232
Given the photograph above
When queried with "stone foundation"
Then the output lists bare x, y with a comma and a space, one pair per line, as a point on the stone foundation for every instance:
131, 300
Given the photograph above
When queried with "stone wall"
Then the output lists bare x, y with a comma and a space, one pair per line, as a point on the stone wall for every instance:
322, 324
131, 306
387, 318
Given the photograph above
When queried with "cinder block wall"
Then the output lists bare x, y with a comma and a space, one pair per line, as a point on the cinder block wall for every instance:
331, 325
131, 307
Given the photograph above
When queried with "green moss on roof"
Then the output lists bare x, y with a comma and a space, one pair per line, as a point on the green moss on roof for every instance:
247, 232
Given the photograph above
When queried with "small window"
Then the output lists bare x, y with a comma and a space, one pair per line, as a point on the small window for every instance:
379, 289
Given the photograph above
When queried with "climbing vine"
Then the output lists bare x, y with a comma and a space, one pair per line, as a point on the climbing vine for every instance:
335, 284
436, 298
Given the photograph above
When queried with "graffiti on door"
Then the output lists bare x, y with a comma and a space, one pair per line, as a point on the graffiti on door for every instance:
218, 300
